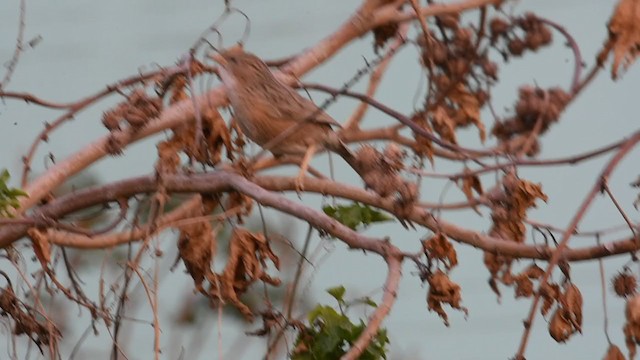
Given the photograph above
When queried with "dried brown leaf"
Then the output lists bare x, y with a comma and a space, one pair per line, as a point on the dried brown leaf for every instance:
443, 290
41, 246
550, 293
625, 284
247, 264
471, 183
632, 326
440, 248
196, 247
524, 286
424, 146
614, 353
443, 124
571, 301
533, 271
560, 328
469, 106
624, 33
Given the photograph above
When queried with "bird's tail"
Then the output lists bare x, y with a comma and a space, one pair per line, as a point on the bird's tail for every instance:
338, 146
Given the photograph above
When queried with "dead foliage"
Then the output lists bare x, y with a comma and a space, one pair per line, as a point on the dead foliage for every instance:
470, 184
625, 284
624, 35
439, 248
238, 200
459, 72
443, 291
136, 111
197, 244
508, 212
383, 176
383, 33
631, 328
205, 148
41, 246
524, 281
215, 134
613, 353
246, 264
423, 146
516, 35
536, 108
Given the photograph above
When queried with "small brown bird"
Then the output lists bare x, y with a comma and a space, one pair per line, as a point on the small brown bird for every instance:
265, 109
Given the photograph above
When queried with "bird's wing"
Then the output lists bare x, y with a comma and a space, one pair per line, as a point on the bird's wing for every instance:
311, 112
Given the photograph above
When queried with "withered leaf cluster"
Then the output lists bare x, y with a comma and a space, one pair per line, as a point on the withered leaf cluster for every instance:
535, 109
208, 151
470, 184
247, 263
439, 248
625, 284
566, 320
624, 35
247, 257
197, 245
384, 32
136, 111
519, 34
508, 212
632, 326
524, 281
443, 291
458, 71
381, 173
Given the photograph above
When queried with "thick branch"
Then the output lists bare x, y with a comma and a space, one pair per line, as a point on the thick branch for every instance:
222, 181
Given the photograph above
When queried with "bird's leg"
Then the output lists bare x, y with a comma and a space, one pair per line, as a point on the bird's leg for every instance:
304, 165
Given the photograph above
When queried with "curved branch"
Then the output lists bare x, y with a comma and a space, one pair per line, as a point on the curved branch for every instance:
567, 160
32, 99
577, 55
391, 13
221, 181
104, 241
391, 285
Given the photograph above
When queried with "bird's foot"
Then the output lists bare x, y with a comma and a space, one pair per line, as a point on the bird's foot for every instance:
299, 184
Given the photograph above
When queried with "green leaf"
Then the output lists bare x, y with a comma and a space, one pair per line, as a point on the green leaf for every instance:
356, 215
8, 196
367, 300
338, 293
330, 333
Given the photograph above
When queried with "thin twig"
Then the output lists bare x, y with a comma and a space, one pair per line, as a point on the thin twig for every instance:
154, 308
603, 288
19, 48
605, 187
